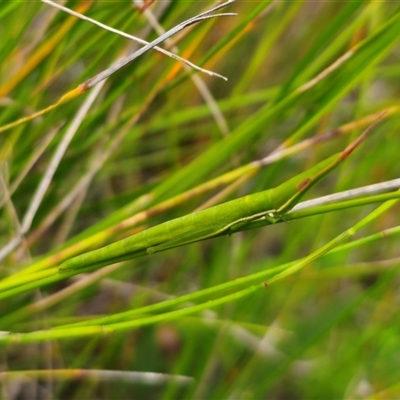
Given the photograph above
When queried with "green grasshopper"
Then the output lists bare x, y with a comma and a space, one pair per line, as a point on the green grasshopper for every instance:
270, 205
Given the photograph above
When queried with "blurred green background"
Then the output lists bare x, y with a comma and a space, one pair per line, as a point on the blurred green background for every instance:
153, 132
